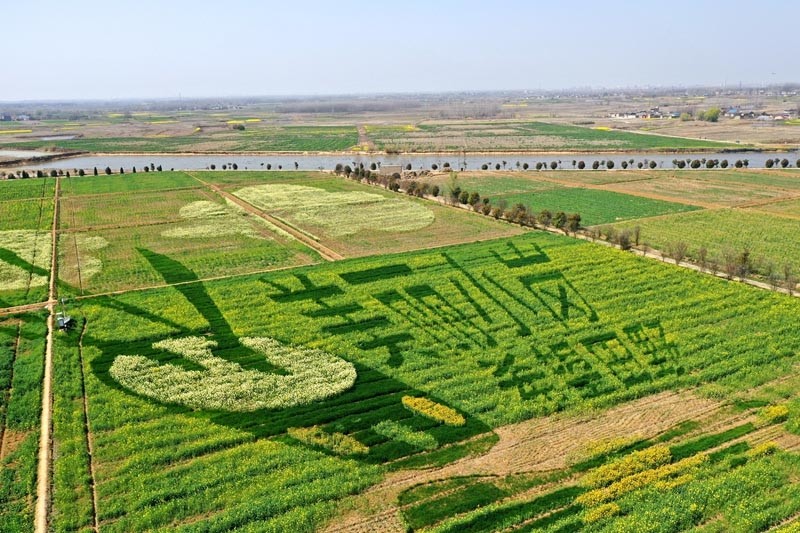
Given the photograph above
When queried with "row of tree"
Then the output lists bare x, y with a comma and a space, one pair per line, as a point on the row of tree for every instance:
741, 264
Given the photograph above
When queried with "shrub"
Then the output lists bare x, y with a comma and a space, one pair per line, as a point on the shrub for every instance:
626, 466
774, 413
601, 512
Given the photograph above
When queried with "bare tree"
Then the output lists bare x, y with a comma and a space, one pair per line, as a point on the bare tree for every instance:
789, 279
679, 250
637, 234
702, 257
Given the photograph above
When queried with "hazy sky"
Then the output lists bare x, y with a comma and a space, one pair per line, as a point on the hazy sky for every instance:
58, 49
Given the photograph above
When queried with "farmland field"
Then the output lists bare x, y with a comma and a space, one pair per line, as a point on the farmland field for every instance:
354, 219
768, 237
255, 138
595, 205
21, 355
509, 135
423, 354
25, 245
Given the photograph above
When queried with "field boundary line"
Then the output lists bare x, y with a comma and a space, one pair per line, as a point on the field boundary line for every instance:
41, 510
321, 249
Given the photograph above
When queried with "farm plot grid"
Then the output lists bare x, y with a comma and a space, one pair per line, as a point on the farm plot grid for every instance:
424, 350
355, 219
103, 234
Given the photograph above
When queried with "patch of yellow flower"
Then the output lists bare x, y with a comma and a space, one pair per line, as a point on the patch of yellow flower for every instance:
602, 128
606, 510
11, 132
773, 414
765, 448
338, 443
639, 480
410, 127
434, 411
606, 446
626, 466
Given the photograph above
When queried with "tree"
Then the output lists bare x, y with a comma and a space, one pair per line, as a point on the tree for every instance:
133, 170
408, 166
696, 163
744, 264
233, 166
784, 163
297, 165
710, 115
213, 167
434, 166
525, 166
484, 167
738, 163
637, 234
474, 198
347, 171
610, 165
595, 165
653, 164
108, 171
769, 163
269, 166
679, 250
771, 273
81, 172
724, 163
435, 190
539, 166
624, 164
497, 166
789, 279
554, 165
147, 169
95, 171
545, 217
798, 163
338, 169
581, 165
53, 173
573, 222
560, 219
624, 240
463, 197
640, 165
121, 170
702, 257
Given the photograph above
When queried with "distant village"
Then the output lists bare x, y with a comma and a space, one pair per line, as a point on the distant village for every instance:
730, 112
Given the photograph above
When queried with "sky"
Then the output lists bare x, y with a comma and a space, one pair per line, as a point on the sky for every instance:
119, 49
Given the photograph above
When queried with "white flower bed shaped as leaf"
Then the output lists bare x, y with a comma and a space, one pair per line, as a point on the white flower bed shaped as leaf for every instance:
222, 385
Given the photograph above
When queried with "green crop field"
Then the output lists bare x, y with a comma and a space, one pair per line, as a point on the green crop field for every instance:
510, 136
21, 356
255, 138
768, 237
490, 333
595, 206
127, 183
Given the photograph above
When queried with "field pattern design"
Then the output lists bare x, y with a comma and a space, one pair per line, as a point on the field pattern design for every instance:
498, 332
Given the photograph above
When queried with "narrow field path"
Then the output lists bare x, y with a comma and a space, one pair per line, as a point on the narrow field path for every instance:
363, 138
323, 250
45, 441
17, 309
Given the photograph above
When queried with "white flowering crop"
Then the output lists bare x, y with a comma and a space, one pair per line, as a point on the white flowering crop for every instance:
223, 385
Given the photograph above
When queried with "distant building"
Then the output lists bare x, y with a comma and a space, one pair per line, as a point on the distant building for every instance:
5, 118
23, 118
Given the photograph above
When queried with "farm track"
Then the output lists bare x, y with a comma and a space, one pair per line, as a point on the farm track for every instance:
323, 250
3, 428
45, 442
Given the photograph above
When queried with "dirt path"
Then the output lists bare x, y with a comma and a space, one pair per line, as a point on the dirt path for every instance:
45, 442
537, 445
25, 308
324, 251
364, 140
